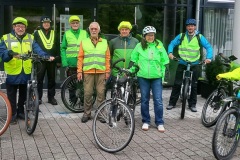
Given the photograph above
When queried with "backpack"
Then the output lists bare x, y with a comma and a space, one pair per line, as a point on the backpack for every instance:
198, 38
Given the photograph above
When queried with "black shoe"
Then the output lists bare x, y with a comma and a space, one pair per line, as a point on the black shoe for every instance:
85, 119
193, 109
169, 107
21, 116
14, 119
53, 101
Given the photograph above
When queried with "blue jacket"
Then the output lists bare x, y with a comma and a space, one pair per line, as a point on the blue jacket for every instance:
203, 41
22, 78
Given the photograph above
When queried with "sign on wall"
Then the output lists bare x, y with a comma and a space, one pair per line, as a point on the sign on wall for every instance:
64, 24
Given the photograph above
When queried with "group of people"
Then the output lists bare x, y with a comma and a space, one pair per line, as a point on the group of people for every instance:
90, 56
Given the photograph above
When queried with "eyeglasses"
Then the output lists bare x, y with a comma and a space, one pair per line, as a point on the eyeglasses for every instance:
74, 22
93, 29
20, 26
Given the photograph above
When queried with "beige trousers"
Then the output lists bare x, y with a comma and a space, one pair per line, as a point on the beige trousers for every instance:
91, 81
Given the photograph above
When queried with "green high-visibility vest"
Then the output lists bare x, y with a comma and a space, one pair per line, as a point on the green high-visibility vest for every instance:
94, 56
15, 65
73, 43
189, 51
48, 43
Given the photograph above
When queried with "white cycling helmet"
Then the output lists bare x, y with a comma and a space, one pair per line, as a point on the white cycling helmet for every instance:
148, 29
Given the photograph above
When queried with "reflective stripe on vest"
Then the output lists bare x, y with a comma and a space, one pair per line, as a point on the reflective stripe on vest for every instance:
73, 43
189, 51
94, 57
15, 65
48, 43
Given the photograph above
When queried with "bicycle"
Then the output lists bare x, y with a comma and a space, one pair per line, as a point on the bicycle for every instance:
72, 93
214, 105
227, 132
32, 101
117, 131
5, 107
186, 85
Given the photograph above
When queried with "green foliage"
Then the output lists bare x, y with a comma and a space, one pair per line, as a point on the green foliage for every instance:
213, 69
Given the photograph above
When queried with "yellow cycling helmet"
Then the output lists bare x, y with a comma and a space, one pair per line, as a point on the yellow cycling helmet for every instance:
20, 20
124, 24
74, 18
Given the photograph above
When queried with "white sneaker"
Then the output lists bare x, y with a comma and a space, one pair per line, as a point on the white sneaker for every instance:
161, 128
145, 126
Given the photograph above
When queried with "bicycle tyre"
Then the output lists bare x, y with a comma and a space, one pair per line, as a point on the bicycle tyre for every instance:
227, 133
31, 110
75, 101
214, 106
5, 112
184, 97
112, 138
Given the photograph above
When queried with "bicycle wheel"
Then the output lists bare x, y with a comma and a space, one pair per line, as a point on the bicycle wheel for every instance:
5, 112
31, 110
213, 107
226, 135
72, 94
184, 97
117, 132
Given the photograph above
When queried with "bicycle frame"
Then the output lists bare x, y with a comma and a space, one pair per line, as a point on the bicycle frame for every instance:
187, 74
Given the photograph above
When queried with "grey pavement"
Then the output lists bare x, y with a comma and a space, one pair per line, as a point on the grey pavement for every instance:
61, 135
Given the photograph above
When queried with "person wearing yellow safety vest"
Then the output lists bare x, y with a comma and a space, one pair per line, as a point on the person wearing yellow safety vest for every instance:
70, 48
94, 68
47, 40
188, 50
70, 44
18, 70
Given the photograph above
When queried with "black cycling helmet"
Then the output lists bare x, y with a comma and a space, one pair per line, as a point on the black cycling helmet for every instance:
45, 19
191, 22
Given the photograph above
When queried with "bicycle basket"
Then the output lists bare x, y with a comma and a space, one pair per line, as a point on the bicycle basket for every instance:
3, 77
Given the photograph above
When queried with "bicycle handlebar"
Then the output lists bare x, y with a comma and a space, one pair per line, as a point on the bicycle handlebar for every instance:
227, 60
126, 71
188, 62
34, 57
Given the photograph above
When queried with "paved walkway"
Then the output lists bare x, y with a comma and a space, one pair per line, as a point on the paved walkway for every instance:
61, 135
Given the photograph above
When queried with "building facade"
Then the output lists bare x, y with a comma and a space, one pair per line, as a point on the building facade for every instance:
215, 17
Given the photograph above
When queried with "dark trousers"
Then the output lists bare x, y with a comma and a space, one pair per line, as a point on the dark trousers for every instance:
72, 92
48, 67
12, 96
192, 101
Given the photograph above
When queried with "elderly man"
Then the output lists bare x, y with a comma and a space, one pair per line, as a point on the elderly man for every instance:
70, 48
18, 70
94, 66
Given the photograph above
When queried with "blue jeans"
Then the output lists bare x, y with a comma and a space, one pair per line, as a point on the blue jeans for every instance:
156, 86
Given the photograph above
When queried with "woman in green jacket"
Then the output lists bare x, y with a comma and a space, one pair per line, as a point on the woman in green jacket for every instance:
151, 57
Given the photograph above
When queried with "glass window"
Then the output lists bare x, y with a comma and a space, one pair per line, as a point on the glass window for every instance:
168, 20
218, 29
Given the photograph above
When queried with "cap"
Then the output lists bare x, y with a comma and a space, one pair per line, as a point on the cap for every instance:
74, 18
124, 24
20, 20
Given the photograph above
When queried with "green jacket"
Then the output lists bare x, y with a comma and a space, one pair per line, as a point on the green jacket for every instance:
151, 61
71, 61
122, 48
234, 75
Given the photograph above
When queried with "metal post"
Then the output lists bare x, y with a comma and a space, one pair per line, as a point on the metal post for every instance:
197, 13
